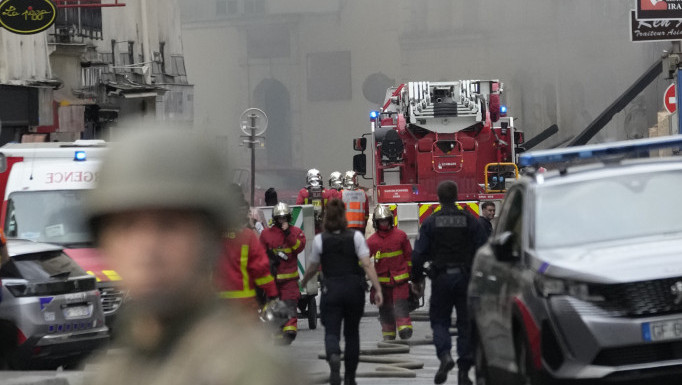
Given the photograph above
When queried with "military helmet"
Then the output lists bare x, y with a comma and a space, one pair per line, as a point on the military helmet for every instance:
313, 178
381, 212
336, 180
162, 169
350, 180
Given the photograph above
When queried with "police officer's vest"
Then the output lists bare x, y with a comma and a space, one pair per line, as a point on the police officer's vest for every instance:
450, 239
338, 256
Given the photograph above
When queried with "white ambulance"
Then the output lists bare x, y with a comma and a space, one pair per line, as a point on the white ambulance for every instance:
43, 186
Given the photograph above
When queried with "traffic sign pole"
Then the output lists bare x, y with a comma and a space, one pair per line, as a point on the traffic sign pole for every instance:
678, 82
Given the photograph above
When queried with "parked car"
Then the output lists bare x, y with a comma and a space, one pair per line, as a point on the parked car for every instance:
582, 276
50, 313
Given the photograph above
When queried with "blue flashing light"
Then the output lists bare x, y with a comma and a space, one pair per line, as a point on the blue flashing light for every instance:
503, 109
373, 115
595, 151
79, 156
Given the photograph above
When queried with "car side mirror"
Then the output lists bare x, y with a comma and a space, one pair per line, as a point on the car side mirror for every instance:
502, 245
360, 164
360, 144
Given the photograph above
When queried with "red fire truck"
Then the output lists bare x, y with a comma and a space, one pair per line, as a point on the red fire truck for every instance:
428, 132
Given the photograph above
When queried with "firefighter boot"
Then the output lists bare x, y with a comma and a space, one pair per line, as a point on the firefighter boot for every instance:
463, 377
446, 365
335, 369
405, 334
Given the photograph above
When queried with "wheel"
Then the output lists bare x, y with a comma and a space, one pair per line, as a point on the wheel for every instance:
312, 313
528, 374
481, 364
303, 304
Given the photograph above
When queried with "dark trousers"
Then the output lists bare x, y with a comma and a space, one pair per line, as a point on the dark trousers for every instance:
343, 301
448, 290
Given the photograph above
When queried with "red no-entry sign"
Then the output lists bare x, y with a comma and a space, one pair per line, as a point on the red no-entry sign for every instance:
670, 99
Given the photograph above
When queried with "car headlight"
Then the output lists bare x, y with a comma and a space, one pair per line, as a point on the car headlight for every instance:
548, 286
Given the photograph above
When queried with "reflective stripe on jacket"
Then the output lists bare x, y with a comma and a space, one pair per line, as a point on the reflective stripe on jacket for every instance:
242, 266
273, 239
392, 254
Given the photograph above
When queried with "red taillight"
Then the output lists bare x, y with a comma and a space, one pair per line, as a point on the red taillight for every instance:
21, 338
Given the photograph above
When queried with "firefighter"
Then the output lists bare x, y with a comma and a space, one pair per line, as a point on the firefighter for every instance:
244, 266
448, 239
356, 201
283, 243
158, 213
314, 194
392, 254
336, 181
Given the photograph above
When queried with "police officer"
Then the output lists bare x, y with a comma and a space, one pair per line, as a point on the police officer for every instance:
343, 255
158, 213
448, 239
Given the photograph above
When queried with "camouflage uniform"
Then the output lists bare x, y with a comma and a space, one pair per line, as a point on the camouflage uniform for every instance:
210, 345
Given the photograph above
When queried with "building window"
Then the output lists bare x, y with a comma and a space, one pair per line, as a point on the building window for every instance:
268, 41
232, 7
329, 76
107, 58
254, 7
221, 7
125, 61
178, 65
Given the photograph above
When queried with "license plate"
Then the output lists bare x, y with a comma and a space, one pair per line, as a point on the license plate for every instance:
662, 330
77, 312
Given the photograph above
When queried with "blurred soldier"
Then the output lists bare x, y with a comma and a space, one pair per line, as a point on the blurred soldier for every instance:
449, 239
158, 214
392, 254
283, 243
244, 265
356, 201
314, 194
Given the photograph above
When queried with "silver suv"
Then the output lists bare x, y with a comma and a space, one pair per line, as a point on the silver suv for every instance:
582, 277
50, 312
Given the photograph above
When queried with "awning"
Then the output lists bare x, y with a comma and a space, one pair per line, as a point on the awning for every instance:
64, 99
134, 95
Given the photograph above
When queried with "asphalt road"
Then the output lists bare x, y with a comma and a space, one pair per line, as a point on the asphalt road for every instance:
305, 350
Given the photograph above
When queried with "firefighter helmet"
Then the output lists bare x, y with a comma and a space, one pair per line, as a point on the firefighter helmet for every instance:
350, 180
165, 169
282, 209
336, 180
382, 212
313, 178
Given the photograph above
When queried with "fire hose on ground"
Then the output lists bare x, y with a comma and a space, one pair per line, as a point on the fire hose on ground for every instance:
390, 367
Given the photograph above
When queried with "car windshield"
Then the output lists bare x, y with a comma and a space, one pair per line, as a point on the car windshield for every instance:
606, 209
47, 216
41, 267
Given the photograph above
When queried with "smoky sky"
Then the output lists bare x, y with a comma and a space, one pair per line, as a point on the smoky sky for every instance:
317, 67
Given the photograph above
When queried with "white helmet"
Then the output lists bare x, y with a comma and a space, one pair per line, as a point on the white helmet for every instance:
313, 178
350, 180
336, 180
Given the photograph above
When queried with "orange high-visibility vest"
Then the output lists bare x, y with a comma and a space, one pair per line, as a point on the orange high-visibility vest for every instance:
355, 201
